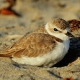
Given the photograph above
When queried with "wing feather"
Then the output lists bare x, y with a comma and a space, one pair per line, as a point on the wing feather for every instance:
35, 45
32, 45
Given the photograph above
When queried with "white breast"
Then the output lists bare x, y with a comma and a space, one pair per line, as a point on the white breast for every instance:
52, 57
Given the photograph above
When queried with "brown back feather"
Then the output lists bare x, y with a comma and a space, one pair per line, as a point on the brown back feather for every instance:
33, 44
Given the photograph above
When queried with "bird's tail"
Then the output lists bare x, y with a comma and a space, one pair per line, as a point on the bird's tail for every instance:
5, 55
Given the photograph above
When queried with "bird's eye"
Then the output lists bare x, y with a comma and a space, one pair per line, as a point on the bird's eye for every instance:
55, 29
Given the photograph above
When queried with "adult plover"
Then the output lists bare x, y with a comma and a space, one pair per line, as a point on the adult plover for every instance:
45, 46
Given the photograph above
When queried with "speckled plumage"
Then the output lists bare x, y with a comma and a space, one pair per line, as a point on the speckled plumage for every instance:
41, 46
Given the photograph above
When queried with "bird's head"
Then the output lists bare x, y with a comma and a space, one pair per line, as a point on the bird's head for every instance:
59, 28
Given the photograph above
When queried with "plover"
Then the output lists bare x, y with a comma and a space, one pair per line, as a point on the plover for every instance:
45, 46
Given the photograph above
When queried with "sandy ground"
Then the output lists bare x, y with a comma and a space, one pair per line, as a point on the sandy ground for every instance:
35, 13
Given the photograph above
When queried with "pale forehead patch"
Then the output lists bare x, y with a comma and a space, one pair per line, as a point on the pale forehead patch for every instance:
51, 26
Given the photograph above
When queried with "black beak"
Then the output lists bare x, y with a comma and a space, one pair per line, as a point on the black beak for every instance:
69, 34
